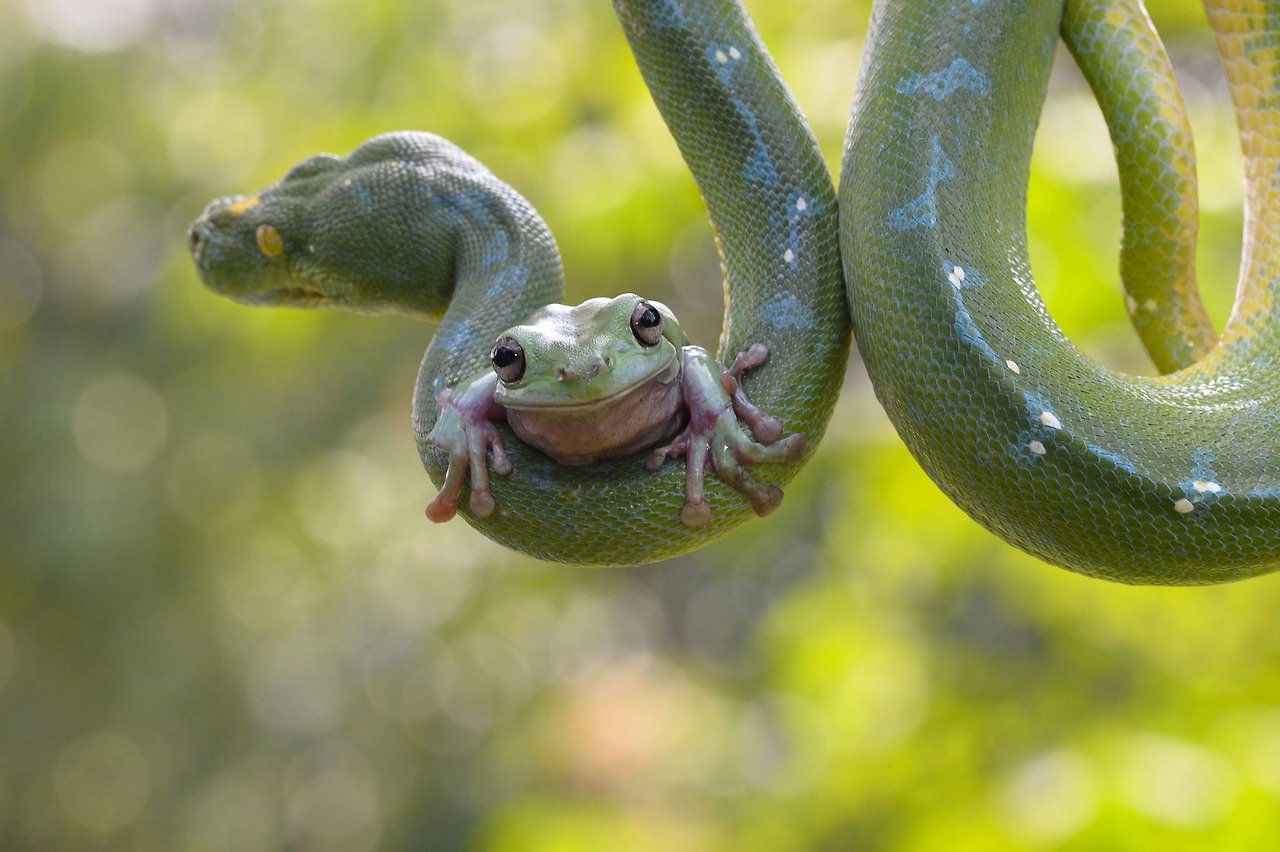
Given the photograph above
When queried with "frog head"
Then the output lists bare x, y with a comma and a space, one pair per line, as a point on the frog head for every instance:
592, 381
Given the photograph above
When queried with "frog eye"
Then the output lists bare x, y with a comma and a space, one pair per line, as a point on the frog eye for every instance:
646, 324
508, 360
269, 241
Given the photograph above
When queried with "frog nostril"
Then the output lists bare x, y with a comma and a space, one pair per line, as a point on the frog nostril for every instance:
195, 238
582, 372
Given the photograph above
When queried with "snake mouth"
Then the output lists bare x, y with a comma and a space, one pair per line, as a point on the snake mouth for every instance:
298, 297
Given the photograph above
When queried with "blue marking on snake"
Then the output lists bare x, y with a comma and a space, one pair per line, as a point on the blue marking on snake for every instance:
364, 201
1114, 459
1037, 405
460, 338
922, 211
469, 205
789, 312
759, 166
940, 84
511, 279
973, 277
497, 248
969, 334
667, 14
724, 58
1202, 471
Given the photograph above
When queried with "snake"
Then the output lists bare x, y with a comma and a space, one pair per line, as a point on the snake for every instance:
921, 251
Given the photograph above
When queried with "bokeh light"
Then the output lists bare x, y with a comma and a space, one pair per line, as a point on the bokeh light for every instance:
120, 423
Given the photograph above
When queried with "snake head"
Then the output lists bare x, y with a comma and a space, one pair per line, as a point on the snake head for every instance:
253, 248
371, 232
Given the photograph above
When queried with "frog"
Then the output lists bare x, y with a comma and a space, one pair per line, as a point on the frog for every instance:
607, 379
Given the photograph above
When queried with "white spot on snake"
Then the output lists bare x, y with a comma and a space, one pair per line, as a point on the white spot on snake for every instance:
1131, 303
801, 204
1149, 304
1013, 367
722, 57
1206, 487
735, 53
956, 277
789, 256
1184, 506
1037, 448
1049, 419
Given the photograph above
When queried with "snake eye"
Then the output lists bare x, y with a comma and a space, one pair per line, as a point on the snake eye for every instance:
646, 324
508, 360
270, 242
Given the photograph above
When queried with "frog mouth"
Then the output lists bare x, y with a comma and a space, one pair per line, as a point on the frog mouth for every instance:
664, 375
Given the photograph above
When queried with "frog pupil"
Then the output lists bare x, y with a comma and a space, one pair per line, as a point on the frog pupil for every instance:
504, 357
646, 324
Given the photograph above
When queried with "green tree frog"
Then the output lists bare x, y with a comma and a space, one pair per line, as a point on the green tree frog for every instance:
607, 379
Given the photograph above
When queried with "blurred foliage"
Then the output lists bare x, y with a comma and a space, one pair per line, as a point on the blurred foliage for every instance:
225, 625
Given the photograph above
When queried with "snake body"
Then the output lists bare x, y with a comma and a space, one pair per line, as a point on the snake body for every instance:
1169, 480
1144, 480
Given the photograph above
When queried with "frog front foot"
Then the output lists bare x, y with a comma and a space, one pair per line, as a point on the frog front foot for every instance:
715, 440
464, 430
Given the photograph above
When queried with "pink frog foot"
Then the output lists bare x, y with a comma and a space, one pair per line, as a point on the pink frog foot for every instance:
465, 431
715, 440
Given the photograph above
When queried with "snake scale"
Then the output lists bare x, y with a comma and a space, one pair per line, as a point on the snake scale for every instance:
1171, 479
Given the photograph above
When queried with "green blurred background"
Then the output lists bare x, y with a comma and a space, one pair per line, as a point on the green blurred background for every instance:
225, 624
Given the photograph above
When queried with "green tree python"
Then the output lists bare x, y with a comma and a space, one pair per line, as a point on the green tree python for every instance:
1170, 479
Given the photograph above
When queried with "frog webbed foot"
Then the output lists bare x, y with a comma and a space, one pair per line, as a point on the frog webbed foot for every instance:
464, 430
715, 439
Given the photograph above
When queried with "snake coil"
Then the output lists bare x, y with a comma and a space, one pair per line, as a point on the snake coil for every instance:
1174, 479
